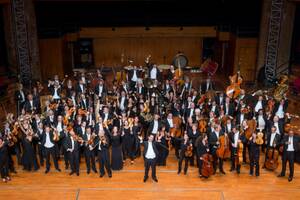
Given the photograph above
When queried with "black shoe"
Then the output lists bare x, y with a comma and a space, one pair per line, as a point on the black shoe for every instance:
59, 170
251, 173
145, 179
281, 175
155, 179
77, 173
256, 175
222, 172
95, 171
238, 172
290, 179
101, 175
109, 175
88, 172
231, 169
185, 172
71, 173
47, 170
178, 172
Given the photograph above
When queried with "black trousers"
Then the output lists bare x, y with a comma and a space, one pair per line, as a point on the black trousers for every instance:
150, 163
89, 159
74, 161
4, 168
41, 153
48, 152
288, 156
254, 161
219, 160
103, 157
186, 163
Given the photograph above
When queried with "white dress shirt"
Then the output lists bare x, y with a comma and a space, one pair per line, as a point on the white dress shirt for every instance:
150, 154
280, 112
48, 143
170, 122
291, 145
134, 76
236, 138
258, 106
272, 139
155, 127
153, 73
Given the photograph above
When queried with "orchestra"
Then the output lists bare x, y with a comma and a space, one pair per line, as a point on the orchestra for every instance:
87, 116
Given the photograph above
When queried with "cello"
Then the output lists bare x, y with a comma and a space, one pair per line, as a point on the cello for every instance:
223, 151
234, 89
202, 125
272, 158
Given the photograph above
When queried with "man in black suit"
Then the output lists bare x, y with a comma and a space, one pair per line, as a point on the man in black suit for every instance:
228, 107
72, 147
150, 156
273, 141
213, 141
30, 105
290, 144
49, 147
103, 154
155, 125
100, 90
20, 98
133, 75
89, 153
84, 103
206, 86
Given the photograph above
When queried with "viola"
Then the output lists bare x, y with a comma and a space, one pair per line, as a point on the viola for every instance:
207, 167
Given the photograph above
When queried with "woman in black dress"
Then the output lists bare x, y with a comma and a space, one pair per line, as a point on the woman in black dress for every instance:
163, 147
116, 150
28, 157
4, 160
128, 139
136, 129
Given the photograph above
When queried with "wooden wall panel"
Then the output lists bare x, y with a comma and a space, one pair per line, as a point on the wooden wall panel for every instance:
246, 57
51, 57
162, 50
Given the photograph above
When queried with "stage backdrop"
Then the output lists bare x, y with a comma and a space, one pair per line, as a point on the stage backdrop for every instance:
112, 45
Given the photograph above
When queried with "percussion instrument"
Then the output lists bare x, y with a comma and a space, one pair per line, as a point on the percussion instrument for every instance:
180, 60
164, 67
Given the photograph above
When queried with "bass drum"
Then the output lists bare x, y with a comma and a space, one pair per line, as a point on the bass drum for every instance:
180, 60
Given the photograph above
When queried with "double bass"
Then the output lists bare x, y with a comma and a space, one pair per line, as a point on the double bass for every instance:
207, 166
234, 89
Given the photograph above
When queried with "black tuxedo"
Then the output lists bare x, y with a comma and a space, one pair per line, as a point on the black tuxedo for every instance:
289, 155
230, 109
158, 74
98, 93
150, 162
73, 153
89, 154
103, 157
79, 90
220, 101
212, 141
206, 87
151, 126
84, 105
52, 90
29, 108
49, 151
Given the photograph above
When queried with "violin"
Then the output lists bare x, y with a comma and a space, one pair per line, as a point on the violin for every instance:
234, 89
207, 167
259, 139
223, 151
189, 151
82, 112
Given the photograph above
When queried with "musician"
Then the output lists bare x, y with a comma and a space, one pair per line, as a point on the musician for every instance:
69, 88
195, 96
280, 108
254, 152
261, 120
100, 89
202, 148
273, 141
128, 141
213, 140
154, 73
167, 87
140, 89
220, 99
133, 75
80, 87
235, 138
228, 107
55, 90
190, 112
193, 134
278, 123
155, 125
123, 101
116, 150
207, 85
72, 146
150, 156
48, 143
290, 144
89, 153
103, 154
50, 119
4, 169
259, 104
84, 103
30, 105
20, 98
185, 144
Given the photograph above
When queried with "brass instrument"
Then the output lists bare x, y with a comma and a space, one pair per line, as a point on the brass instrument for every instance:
282, 88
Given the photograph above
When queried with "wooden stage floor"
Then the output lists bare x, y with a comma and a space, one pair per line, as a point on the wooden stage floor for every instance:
128, 184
